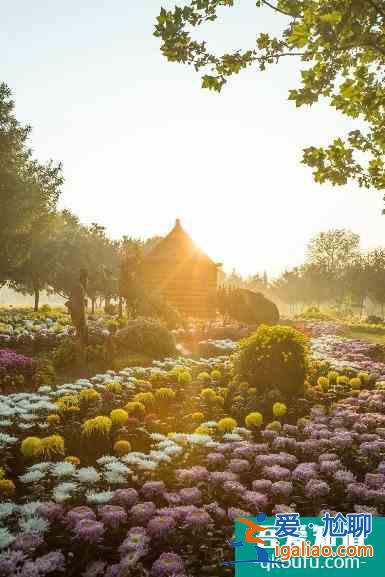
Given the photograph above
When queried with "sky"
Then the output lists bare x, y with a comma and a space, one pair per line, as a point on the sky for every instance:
142, 144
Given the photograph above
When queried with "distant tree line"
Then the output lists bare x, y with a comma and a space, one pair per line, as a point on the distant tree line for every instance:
43, 248
335, 272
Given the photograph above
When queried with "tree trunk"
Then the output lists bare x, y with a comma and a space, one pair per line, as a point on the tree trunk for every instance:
120, 307
93, 306
36, 292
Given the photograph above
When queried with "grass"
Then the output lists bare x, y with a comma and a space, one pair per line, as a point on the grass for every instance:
364, 336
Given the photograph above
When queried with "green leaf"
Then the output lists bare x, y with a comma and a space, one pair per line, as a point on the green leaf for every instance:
332, 17
299, 35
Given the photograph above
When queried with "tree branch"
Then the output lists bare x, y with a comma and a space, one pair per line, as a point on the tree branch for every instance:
277, 9
376, 7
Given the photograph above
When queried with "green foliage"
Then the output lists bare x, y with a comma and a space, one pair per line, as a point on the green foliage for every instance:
313, 313
274, 357
29, 192
247, 306
44, 373
341, 48
145, 336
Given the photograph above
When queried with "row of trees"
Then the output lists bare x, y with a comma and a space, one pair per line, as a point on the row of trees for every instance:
336, 271
43, 248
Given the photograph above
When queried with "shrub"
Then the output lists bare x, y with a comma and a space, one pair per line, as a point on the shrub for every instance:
204, 377
145, 336
253, 420
252, 308
273, 357
355, 383
119, 417
122, 448
279, 410
227, 424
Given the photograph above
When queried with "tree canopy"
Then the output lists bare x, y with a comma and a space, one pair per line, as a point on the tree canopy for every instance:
340, 46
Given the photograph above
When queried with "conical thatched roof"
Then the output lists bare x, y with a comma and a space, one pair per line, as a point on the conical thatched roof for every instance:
177, 246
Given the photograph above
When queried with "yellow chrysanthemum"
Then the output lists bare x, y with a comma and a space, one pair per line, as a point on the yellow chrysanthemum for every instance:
7, 487
135, 409
254, 420
100, 425
165, 394
147, 399
204, 377
184, 377
52, 445
119, 417
216, 375
114, 387
31, 447
202, 430
323, 382
67, 402
208, 395
198, 417
279, 409
122, 448
227, 424
274, 426
72, 459
53, 419
355, 383
89, 395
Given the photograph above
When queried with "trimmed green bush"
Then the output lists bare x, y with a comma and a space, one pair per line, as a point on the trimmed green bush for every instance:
273, 357
145, 336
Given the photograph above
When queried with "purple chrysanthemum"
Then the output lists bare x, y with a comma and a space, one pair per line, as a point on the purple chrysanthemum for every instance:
161, 526
142, 512
112, 515
89, 530
167, 565
126, 497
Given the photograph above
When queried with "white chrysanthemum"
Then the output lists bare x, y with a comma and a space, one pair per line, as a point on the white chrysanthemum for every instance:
159, 456
63, 469
34, 523
29, 508
232, 437
106, 459
67, 487
7, 440
173, 450
157, 437
6, 509
166, 443
32, 476
43, 466
114, 478
210, 424
5, 423
88, 475
99, 498
25, 426
118, 467
133, 458
44, 389
195, 439
6, 538
147, 465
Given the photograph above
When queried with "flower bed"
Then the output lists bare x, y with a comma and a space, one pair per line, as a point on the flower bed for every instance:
15, 369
